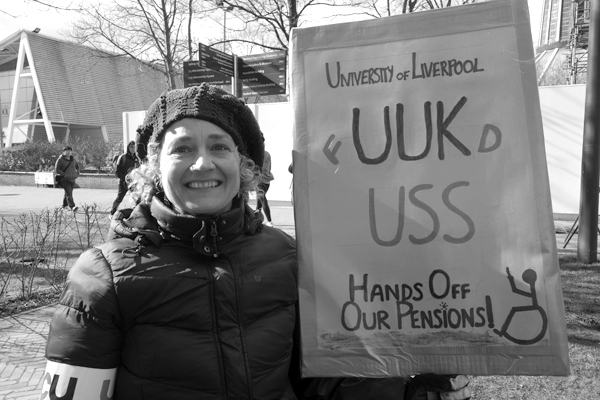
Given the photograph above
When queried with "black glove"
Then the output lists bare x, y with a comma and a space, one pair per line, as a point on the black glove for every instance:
355, 389
433, 387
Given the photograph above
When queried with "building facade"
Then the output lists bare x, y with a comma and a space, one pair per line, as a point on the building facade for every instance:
55, 90
563, 40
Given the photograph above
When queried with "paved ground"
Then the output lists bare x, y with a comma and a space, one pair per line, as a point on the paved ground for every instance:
23, 336
15, 200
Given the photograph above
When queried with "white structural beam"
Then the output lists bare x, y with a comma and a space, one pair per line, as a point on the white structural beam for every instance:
38, 89
25, 51
104, 132
13, 102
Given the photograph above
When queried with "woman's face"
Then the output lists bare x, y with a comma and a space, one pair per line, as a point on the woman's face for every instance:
200, 167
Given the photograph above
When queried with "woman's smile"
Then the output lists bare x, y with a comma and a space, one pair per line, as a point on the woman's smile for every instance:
203, 185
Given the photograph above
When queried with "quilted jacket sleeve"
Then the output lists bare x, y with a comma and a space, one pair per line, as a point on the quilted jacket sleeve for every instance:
85, 329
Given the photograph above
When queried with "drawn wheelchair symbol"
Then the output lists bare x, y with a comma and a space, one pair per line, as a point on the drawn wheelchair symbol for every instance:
529, 277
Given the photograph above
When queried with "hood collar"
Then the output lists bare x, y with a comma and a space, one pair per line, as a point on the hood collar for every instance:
207, 234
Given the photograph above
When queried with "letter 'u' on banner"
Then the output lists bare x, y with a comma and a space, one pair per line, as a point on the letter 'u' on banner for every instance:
423, 217
63, 381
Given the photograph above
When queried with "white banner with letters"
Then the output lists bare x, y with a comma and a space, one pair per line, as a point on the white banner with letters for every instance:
71, 382
423, 216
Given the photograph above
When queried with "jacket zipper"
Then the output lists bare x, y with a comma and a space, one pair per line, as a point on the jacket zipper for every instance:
214, 233
215, 323
238, 306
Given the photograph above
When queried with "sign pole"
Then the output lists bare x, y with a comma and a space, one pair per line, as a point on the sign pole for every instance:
236, 81
588, 209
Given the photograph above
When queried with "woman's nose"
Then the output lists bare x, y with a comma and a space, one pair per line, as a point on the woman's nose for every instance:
202, 163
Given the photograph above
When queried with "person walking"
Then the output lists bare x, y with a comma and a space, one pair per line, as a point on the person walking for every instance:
125, 163
266, 177
66, 171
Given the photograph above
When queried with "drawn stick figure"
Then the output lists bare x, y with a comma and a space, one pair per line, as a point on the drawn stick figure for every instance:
530, 277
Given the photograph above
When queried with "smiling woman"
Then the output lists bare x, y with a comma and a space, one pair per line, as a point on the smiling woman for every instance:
192, 290
186, 133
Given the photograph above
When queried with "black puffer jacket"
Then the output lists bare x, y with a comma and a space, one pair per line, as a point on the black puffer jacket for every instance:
185, 308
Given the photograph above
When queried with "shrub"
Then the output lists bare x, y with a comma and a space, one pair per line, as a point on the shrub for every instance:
6, 160
34, 156
96, 154
30, 157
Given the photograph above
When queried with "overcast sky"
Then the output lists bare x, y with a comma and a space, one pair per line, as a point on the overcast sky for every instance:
30, 15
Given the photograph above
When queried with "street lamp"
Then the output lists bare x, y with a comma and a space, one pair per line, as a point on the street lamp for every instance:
225, 8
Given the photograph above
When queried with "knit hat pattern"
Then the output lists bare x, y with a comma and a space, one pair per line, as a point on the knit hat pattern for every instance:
208, 103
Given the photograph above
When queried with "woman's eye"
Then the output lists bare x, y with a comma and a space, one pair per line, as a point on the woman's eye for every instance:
220, 147
180, 150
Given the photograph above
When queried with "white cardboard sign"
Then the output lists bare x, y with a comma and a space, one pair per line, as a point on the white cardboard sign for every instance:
423, 214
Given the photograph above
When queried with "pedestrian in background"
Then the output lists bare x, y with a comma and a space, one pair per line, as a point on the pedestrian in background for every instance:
125, 163
263, 187
66, 171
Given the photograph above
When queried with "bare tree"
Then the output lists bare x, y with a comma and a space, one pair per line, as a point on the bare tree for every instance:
271, 20
154, 32
386, 8
56, 5
52, 4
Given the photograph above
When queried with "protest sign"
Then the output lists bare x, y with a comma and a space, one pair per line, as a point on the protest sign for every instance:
422, 205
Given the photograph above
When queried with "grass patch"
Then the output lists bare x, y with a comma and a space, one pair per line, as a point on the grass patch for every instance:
18, 304
581, 291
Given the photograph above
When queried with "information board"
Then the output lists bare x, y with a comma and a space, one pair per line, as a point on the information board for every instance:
194, 74
423, 217
215, 60
264, 74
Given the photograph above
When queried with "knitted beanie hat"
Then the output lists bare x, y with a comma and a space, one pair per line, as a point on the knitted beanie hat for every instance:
208, 103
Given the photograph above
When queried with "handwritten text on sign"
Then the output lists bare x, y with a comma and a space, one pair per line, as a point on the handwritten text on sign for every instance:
336, 77
490, 140
357, 313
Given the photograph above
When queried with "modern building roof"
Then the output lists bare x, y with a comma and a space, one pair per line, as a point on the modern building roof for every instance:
76, 86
